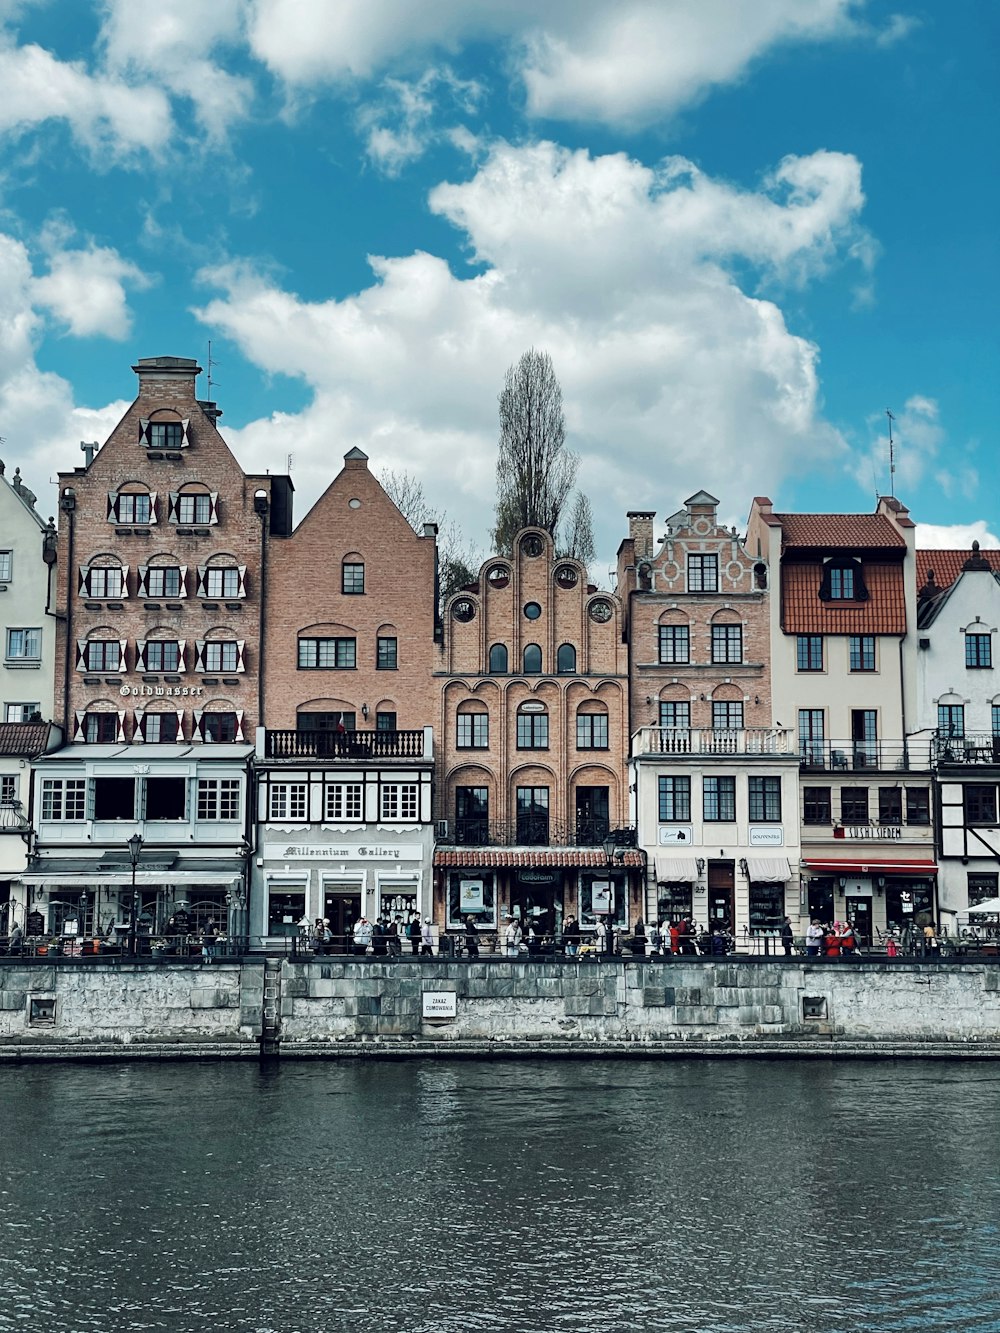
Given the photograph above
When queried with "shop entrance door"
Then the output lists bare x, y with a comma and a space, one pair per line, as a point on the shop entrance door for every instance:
721, 894
538, 901
859, 915
342, 909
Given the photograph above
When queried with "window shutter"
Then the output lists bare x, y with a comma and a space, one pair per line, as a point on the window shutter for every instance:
144, 432
172, 507
201, 581
139, 734
125, 569
140, 654
239, 725
243, 581
197, 733
199, 654
78, 732
84, 579
81, 654
122, 645
152, 507
214, 516
140, 799
113, 505
140, 587
184, 432
121, 728
181, 652
183, 577
180, 724
240, 663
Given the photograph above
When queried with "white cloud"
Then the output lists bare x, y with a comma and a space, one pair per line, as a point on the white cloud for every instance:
673, 377
955, 536
85, 289
400, 126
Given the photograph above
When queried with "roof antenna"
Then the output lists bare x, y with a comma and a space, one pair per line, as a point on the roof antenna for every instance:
892, 457
211, 363
288, 465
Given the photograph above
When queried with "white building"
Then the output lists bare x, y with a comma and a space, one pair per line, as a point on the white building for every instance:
27, 551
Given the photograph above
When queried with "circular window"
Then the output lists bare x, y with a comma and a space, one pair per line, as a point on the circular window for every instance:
601, 611
532, 610
566, 576
354, 504
463, 610
498, 576
532, 545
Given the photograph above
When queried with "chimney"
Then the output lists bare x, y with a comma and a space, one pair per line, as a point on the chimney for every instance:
90, 448
640, 529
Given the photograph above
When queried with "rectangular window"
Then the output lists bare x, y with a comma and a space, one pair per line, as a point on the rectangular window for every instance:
978, 650
862, 652
102, 655
343, 802
918, 805
675, 800
24, 645
473, 731
841, 583
218, 798
703, 573
719, 798
8, 788
104, 581
727, 643
385, 721
890, 805
981, 804
864, 737
982, 888
727, 715
765, 800
160, 728
809, 652
472, 815
812, 723
22, 712
195, 509
353, 578
533, 816
165, 798
222, 581
114, 798
995, 717
591, 731
6, 566
165, 434
399, 800
386, 656
328, 654
219, 727
100, 728
532, 731
675, 714
854, 805
221, 655
64, 798
162, 655
675, 643
951, 720
288, 800
133, 508
816, 806
163, 581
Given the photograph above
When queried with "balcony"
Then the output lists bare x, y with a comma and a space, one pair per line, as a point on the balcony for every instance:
532, 830
973, 748
363, 746
704, 741
864, 756
12, 818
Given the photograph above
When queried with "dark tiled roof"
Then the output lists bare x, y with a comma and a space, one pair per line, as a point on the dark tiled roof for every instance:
947, 565
514, 857
27, 738
803, 612
840, 532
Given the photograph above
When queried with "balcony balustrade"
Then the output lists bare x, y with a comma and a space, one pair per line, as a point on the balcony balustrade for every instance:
12, 818
971, 748
344, 745
531, 830
712, 741
853, 756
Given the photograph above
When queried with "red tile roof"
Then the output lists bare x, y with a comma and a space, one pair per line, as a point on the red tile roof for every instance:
802, 611
27, 738
840, 532
947, 565
509, 857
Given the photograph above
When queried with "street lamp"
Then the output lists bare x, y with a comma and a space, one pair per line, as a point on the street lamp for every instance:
134, 849
82, 918
610, 845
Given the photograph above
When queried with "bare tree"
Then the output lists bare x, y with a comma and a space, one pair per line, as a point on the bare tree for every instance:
407, 494
458, 557
579, 543
535, 470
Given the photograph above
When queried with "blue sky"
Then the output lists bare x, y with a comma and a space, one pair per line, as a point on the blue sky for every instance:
742, 229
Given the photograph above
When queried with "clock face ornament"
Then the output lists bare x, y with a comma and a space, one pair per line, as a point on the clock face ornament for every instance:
600, 611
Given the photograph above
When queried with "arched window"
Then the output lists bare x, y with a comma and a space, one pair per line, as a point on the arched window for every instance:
532, 659
498, 659
566, 658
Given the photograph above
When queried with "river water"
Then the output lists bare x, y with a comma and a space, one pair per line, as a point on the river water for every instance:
713, 1196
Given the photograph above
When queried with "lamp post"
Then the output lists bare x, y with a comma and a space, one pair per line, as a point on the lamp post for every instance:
82, 918
609, 844
134, 851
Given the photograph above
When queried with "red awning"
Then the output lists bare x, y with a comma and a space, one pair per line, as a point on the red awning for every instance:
508, 858
915, 869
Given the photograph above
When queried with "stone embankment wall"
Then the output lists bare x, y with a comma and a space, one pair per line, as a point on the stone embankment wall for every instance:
330, 1003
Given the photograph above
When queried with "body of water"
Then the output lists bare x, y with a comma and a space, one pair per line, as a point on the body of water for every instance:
717, 1197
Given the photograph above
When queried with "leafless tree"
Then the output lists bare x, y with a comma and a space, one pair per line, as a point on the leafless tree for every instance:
535, 470
458, 558
579, 541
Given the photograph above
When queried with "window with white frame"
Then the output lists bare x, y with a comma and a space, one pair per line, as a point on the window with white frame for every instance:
343, 802
162, 581
219, 799
21, 712
161, 655
221, 655
8, 788
138, 507
399, 800
703, 573
104, 581
64, 798
193, 508
159, 728
24, 645
102, 655
288, 800
6, 566
222, 581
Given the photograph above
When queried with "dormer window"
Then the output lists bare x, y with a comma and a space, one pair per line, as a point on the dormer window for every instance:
172, 434
843, 581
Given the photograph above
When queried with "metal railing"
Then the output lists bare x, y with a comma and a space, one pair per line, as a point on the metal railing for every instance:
864, 756
363, 745
971, 748
534, 831
12, 817
704, 740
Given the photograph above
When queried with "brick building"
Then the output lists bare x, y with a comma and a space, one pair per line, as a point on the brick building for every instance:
533, 733
345, 756
716, 783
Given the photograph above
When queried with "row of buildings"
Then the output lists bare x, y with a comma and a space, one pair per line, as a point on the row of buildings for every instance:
207, 708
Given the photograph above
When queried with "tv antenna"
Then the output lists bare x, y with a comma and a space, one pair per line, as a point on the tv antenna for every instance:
288, 464
892, 456
211, 363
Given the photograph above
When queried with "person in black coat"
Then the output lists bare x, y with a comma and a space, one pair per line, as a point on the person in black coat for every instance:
787, 937
471, 937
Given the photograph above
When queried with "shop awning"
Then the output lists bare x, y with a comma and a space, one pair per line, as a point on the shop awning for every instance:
675, 869
81, 873
912, 869
485, 858
768, 869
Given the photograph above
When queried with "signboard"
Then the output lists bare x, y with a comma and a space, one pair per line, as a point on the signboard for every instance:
470, 895
675, 835
328, 851
768, 836
602, 896
440, 1004
882, 832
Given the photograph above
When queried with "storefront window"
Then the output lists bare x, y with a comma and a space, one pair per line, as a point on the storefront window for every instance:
821, 899
674, 902
284, 912
767, 908
619, 888
471, 893
397, 900
905, 899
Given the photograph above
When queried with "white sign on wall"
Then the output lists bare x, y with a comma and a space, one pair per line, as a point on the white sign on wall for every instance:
768, 836
470, 895
440, 1004
602, 896
328, 851
675, 835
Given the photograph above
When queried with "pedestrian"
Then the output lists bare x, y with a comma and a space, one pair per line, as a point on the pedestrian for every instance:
427, 939
831, 940
848, 941
380, 938
718, 943
571, 936
787, 936
601, 934
471, 937
317, 936
637, 944
363, 935
512, 938
413, 933
930, 941
814, 938
676, 937
208, 937
392, 939
891, 947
